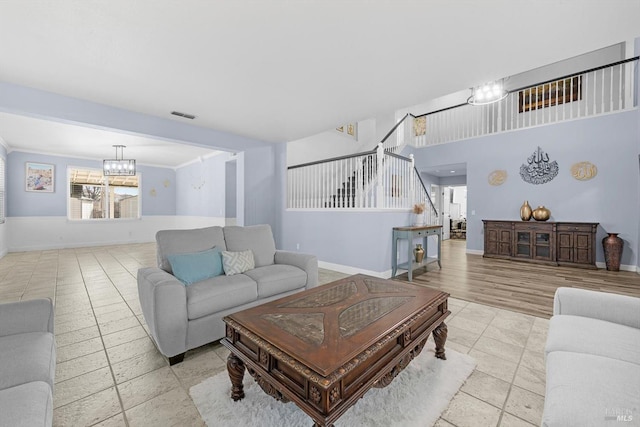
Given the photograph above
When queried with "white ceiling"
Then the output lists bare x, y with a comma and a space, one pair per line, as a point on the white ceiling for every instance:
281, 70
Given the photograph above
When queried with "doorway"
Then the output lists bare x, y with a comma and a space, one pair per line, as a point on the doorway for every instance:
451, 200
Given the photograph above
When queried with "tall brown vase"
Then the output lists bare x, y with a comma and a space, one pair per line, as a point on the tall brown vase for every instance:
612, 245
525, 211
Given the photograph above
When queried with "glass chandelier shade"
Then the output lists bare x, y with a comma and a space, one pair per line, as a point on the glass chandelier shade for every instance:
119, 166
487, 93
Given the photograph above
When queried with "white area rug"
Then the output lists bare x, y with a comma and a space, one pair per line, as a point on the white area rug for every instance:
416, 397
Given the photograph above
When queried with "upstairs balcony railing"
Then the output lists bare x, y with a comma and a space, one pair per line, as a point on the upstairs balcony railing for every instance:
606, 89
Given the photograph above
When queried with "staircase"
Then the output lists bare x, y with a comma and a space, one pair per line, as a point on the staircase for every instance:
376, 179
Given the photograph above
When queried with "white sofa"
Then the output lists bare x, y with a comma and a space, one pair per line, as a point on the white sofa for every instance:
593, 360
27, 363
184, 317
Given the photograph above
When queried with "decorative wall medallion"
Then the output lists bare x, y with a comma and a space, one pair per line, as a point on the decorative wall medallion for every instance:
166, 183
538, 169
420, 126
497, 177
584, 171
153, 192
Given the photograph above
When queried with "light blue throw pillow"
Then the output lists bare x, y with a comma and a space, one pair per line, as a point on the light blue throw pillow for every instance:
193, 267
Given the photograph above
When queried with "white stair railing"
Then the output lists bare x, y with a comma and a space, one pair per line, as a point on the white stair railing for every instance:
371, 180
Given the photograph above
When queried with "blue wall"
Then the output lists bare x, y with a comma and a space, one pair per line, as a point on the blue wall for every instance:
201, 187
611, 198
24, 203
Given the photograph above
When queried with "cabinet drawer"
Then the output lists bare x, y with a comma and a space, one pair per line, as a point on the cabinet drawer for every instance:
545, 228
585, 228
492, 224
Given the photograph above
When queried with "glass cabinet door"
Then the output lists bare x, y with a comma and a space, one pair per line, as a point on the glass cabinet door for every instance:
543, 248
523, 243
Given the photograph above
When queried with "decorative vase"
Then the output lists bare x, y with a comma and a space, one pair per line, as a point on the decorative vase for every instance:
525, 211
612, 245
418, 253
418, 220
541, 213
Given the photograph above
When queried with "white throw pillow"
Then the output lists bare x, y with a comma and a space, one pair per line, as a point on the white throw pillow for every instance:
237, 262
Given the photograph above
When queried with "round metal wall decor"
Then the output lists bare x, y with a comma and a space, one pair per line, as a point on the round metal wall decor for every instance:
497, 177
584, 171
538, 169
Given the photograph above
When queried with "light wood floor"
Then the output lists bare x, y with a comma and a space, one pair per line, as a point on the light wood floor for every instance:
512, 285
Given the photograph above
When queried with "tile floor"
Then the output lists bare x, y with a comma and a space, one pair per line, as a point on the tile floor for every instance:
109, 372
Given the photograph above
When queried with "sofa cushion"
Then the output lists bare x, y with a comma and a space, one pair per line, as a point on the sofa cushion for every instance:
593, 336
586, 390
184, 241
257, 238
237, 262
27, 357
277, 278
196, 266
26, 405
219, 293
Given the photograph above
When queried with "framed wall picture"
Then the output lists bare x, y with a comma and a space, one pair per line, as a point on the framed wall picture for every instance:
39, 177
550, 94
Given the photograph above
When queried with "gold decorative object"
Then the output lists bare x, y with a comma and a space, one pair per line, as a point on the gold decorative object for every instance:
525, 211
541, 213
153, 192
418, 252
420, 126
166, 183
497, 177
584, 171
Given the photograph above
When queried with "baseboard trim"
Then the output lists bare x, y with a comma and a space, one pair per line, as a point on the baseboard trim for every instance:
475, 252
623, 267
346, 269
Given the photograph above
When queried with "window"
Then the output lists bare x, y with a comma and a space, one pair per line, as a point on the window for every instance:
2, 214
94, 196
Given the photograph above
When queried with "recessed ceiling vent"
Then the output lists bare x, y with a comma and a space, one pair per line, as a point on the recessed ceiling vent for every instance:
185, 115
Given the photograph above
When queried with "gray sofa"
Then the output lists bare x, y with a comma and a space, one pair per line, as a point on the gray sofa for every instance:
27, 363
181, 317
593, 360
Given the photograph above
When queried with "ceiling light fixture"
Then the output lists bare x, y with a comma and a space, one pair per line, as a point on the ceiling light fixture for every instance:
488, 93
119, 166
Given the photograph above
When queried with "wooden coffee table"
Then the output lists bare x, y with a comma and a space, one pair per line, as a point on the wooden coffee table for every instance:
325, 347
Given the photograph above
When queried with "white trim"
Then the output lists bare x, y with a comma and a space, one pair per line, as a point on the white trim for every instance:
4, 144
353, 270
356, 210
623, 267
57, 232
475, 252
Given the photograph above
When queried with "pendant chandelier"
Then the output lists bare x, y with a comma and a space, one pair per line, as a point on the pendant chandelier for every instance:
487, 93
119, 166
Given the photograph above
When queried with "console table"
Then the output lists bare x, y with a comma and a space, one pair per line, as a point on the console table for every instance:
411, 233
553, 243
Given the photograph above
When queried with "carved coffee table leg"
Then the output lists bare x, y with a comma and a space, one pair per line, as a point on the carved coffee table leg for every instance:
440, 336
235, 367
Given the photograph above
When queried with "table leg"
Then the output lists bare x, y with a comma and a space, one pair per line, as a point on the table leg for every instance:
394, 260
440, 336
235, 367
410, 256
439, 234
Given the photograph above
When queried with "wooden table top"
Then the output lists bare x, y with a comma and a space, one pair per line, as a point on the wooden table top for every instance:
326, 327
417, 227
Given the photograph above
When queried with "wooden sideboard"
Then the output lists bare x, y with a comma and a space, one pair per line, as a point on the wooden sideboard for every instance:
554, 243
